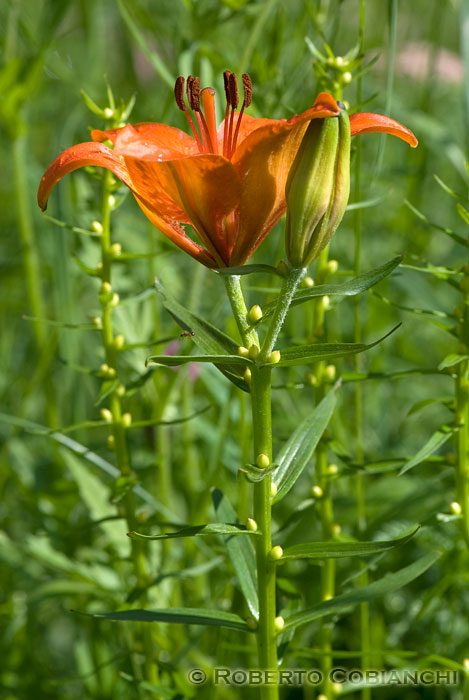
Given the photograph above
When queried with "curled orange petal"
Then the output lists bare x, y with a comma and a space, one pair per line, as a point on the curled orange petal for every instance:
79, 156
368, 123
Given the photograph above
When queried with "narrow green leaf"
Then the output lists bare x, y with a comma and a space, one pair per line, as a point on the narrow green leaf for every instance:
388, 584
176, 360
208, 338
451, 360
197, 531
73, 229
95, 459
299, 448
334, 550
449, 232
61, 324
305, 354
241, 552
438, 439
181, 616
351, 288
444, 400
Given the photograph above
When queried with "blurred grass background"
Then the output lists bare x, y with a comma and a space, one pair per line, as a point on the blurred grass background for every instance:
55, 555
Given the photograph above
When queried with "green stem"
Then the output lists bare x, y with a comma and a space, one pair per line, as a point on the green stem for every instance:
462, 419
284, 300
119, 425
240, 312
262, 434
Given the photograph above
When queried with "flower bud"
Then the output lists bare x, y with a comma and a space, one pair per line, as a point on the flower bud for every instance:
262, 461
251, 525
276, 553
317, 188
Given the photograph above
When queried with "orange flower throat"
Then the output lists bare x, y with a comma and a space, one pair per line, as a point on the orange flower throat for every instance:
202, 103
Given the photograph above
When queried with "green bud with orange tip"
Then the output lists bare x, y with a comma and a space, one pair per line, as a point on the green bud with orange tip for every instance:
318, 188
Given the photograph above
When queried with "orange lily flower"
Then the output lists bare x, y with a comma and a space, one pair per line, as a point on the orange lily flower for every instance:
227, 183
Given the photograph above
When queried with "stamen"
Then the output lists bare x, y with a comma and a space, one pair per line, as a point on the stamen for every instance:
208, 101
226, 80
193, 97
233, 89
179, 95
247, 85
234, 100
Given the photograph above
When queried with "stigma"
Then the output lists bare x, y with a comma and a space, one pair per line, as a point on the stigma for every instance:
202, 104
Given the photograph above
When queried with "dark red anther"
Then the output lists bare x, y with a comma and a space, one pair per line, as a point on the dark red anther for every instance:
247, 85
179, 93
195, 90
233, 90
226, 81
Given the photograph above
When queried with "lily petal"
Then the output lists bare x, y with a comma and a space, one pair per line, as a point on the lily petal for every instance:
79, 156
205, 187
367, 123
149, 139
172, 230
263, 161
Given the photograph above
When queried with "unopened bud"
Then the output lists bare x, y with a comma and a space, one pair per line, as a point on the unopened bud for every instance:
347, 78
111, 200
317, 492
97, 227
336, 529
111, 442
114, 301
279, 623
251, 622
308, 282
253, 352
262, 461
276, 553
326, 303
255, 314
333, 469
273, 489
120, 390
99, 267
106, 288
332, 266
243, 352
311, 379
108, 112
251, 525
106, 415
119, 341
274, 357
126, 420
330, 371
317, 188
97, 322
116, 249
247, 375
455, 508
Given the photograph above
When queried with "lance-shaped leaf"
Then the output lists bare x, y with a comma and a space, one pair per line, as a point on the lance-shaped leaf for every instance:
250, 269
182, 616
197, 531
336, 550
351, 288
241, 552
306, 354
438, 439
208, 338
176, 360
387, 584
300, 447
